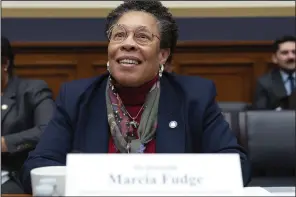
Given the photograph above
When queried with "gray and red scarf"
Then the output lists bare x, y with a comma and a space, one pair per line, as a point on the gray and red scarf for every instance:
118, 120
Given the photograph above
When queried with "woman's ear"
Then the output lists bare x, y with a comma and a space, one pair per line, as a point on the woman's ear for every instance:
164, 55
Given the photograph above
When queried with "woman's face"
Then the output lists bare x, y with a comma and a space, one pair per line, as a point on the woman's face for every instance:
134, 52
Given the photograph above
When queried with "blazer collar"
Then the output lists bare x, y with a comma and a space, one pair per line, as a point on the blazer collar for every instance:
170, 133
285, 76
8, 98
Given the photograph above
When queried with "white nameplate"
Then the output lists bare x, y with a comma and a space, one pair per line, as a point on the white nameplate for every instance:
153, 174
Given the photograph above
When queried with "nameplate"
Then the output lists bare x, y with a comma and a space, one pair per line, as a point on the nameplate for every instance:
153, 174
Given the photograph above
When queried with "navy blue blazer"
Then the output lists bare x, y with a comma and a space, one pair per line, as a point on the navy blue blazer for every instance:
80, 123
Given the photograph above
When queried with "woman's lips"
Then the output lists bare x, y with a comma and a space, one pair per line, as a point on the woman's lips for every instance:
126, 65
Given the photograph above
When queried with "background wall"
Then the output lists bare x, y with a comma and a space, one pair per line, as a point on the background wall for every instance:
197, 20
233, 66
191, 29
226, 42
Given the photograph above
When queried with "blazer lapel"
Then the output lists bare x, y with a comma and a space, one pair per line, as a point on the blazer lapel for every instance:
6, 104
170, 133
93, 124
8, 98
278, 85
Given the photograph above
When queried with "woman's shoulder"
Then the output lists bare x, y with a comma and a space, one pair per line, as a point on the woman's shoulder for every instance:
191, 82
31, 90
193, 87
32, 83
83, 84
22, 85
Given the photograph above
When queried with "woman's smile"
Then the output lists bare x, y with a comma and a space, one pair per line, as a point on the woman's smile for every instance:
128, 61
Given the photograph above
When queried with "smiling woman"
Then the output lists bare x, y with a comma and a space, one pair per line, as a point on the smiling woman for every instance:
136, 107
135, 50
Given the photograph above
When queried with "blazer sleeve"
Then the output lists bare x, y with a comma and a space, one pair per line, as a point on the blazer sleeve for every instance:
42, 102
54, 143
218, 137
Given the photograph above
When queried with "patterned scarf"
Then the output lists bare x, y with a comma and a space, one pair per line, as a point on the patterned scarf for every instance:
118, 120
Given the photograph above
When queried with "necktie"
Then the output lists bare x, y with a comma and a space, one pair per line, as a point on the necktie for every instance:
292, 82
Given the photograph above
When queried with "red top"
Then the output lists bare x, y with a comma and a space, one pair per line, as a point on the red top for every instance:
133, 100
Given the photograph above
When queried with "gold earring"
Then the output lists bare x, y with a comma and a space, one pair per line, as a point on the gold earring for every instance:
161, 68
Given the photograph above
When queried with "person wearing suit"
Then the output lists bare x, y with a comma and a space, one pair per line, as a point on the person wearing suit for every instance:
274, 88
292, 101
150, 111
26, 107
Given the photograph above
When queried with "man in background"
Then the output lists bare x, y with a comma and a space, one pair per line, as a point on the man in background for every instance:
273, 89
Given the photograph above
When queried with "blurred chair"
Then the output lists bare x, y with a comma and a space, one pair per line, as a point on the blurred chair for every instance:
270, 139
292, 101
233, 106
233, 109
227, 117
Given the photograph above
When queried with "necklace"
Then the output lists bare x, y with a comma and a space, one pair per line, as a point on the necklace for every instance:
133, 121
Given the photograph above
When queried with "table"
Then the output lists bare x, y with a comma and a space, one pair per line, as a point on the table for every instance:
281, 191
250, 191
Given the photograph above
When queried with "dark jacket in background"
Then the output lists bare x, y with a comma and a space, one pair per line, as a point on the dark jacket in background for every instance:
292, 100
26, 108
270, 92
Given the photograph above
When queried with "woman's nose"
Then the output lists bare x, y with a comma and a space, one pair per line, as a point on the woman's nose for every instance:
129, 44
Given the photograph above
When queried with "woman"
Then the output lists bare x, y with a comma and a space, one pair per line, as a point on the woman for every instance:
26, 107
150, 111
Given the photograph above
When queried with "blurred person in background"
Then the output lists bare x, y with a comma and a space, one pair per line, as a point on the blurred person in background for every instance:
26, 107
273, 90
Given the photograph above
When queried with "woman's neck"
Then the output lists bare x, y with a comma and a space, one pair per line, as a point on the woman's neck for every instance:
135, 95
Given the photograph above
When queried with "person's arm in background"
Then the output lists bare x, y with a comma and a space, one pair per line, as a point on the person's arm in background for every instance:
218, 137
54, 143
40, 97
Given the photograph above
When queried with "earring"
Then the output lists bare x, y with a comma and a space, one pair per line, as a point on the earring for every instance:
5, 69
161, 68
108, 67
